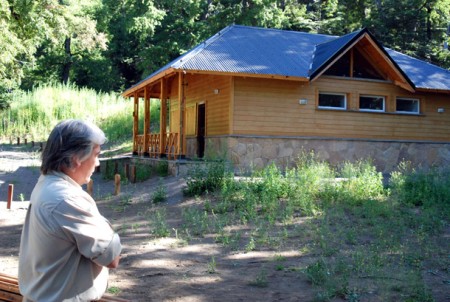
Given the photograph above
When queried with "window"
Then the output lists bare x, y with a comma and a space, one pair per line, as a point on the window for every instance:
371, 103
406, 105
332, 100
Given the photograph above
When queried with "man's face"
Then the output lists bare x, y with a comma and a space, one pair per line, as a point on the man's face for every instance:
85, 170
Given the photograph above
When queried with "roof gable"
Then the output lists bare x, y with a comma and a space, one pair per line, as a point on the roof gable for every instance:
328, 53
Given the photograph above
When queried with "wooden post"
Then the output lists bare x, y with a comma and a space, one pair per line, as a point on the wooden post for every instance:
117, 184
32, 144
133, 174
10, 195
135, 124
163, 119
26, 141
127, 170
146, 120
90, 187
18, 141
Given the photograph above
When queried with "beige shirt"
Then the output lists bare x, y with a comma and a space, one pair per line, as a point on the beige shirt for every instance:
66, 244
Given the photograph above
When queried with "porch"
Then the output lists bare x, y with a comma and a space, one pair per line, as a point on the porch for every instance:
169, 141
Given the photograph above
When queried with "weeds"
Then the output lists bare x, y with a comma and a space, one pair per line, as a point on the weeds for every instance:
160, 194
362, 238
159, 224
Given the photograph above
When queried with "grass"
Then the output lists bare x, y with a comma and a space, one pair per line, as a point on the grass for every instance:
363, 236
33, 114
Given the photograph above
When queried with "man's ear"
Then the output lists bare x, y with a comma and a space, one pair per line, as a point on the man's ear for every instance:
76, 161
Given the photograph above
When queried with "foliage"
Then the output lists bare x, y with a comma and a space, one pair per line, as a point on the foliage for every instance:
160, 194
205, 178
33, 114
419, 187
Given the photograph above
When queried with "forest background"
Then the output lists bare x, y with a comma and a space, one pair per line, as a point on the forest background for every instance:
109, 45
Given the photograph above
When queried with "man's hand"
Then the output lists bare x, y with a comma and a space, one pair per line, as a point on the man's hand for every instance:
114, 263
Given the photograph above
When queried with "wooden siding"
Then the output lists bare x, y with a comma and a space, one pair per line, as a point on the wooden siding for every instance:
201, 89
271, 107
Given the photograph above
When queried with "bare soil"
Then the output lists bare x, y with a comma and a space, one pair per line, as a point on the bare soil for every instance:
167, 269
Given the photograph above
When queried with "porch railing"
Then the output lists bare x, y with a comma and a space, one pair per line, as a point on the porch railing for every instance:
170, 148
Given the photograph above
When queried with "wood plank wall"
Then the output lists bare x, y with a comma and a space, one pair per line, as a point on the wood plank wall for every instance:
202, 89
271, 107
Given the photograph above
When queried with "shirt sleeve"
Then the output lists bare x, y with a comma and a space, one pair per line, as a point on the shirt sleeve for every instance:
92, 234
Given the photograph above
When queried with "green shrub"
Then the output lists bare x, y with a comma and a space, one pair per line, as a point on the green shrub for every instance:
160, 194
205, 178
360, 182
420, 187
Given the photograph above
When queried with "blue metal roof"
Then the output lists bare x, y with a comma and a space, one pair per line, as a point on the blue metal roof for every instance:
327, 50
423, 74
254, 50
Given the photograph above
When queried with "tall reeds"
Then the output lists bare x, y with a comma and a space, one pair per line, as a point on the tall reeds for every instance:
33, 114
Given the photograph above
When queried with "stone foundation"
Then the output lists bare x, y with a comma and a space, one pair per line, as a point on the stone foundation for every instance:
250, 153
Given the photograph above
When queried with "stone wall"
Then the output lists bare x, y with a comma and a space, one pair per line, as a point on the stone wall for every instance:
248, 153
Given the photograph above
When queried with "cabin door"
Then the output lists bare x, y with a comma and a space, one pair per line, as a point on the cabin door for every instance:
201, 123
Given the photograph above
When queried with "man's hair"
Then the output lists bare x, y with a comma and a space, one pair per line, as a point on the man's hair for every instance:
69, 139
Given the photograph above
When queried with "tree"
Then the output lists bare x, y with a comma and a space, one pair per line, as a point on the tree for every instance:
23, 26
77, 39
130, 26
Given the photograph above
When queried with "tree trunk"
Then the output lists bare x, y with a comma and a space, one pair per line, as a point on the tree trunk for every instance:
67, 61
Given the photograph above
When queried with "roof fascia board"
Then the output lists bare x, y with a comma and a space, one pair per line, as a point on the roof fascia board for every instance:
248, 75
130, 92
379, 47
445, 91
406, 84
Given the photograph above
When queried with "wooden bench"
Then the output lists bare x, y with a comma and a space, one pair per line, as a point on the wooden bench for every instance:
9, 291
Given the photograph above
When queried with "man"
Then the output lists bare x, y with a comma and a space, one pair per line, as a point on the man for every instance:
67, 246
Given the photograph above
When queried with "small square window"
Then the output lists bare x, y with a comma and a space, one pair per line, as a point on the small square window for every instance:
332, 100
371, 103
407, 105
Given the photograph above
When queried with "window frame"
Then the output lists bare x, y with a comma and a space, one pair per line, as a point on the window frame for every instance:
410, 99
373, 96
331, 107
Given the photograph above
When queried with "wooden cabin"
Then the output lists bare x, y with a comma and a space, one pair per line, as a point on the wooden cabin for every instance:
257, 96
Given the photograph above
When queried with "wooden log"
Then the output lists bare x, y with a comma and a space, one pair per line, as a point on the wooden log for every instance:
10, 195
9, 291
117, 184
90, 187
